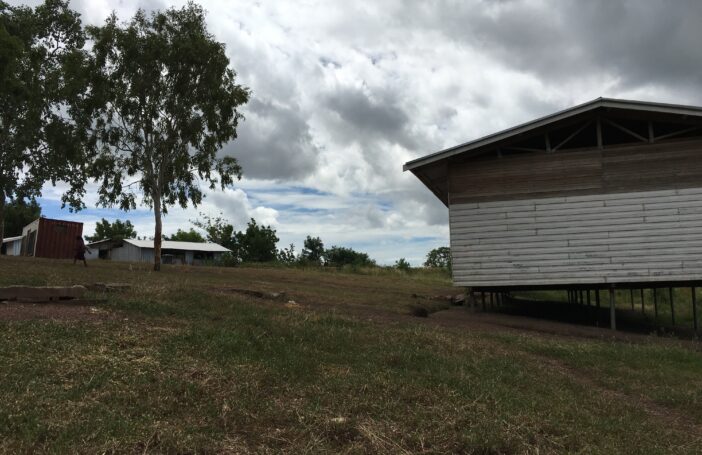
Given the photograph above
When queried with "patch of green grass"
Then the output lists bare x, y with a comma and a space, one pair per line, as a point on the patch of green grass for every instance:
182, 368
668, 374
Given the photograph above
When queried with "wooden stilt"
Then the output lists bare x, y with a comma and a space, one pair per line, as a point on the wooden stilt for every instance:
672, 306
597, 307
631, 298
643, 311
470, 298
482, 295
589, 303
694, 308
612, 311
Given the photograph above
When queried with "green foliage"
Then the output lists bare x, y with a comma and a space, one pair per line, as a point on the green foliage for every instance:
187, 236
287, 255
439, 257
227, 260
313, 252
165, 102
18, 214
256, 244
339, 256
39, 137
117, 230
218, 230
403, 264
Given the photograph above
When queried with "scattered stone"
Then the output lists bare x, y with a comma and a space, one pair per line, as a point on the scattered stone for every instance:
292, 304
458, 299
339, 420
41, 293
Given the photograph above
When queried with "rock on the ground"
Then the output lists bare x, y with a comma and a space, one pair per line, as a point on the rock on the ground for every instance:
41, 293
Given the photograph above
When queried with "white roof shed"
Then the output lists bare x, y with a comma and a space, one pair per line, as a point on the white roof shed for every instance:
133, 250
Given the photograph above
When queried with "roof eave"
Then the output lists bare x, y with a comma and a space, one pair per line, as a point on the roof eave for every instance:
543, 121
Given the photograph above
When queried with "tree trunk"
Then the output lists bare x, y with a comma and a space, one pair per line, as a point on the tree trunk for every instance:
2, 216
157, 236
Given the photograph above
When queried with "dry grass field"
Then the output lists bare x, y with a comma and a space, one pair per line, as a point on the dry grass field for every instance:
185, 361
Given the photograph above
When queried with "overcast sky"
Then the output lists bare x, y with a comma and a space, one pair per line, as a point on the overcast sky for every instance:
345, 92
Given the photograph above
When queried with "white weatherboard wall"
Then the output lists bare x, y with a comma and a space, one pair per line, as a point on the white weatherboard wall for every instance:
607, 238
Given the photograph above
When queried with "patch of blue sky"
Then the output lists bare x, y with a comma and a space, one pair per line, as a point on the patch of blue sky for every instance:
285, 189
296, 209
51, 208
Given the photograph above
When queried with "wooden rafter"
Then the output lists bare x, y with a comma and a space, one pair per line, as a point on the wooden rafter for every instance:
575, 133
677, 133
626, 130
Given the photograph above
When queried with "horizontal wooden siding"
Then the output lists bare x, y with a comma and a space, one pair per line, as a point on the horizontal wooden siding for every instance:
632, 168
600, 238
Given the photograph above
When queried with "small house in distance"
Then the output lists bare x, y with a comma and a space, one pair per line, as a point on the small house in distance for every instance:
11, 246
48, 238
172, 252
604, 195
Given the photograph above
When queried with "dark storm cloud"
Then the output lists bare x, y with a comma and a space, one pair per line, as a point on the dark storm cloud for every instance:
645, 42
274, 142
640, 42
365, 117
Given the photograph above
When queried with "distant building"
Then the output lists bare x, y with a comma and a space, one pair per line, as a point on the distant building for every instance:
12, 246
172, 252
45, 238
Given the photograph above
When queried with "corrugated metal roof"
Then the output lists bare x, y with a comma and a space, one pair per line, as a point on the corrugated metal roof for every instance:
184, 246
570, 112
11, 239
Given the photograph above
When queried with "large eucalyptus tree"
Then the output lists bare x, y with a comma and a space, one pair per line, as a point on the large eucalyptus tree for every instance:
40, 82
165, 100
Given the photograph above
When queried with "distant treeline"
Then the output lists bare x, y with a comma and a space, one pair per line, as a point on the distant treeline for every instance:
259, 244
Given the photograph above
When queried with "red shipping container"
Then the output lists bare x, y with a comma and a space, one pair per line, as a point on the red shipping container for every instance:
55, 239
